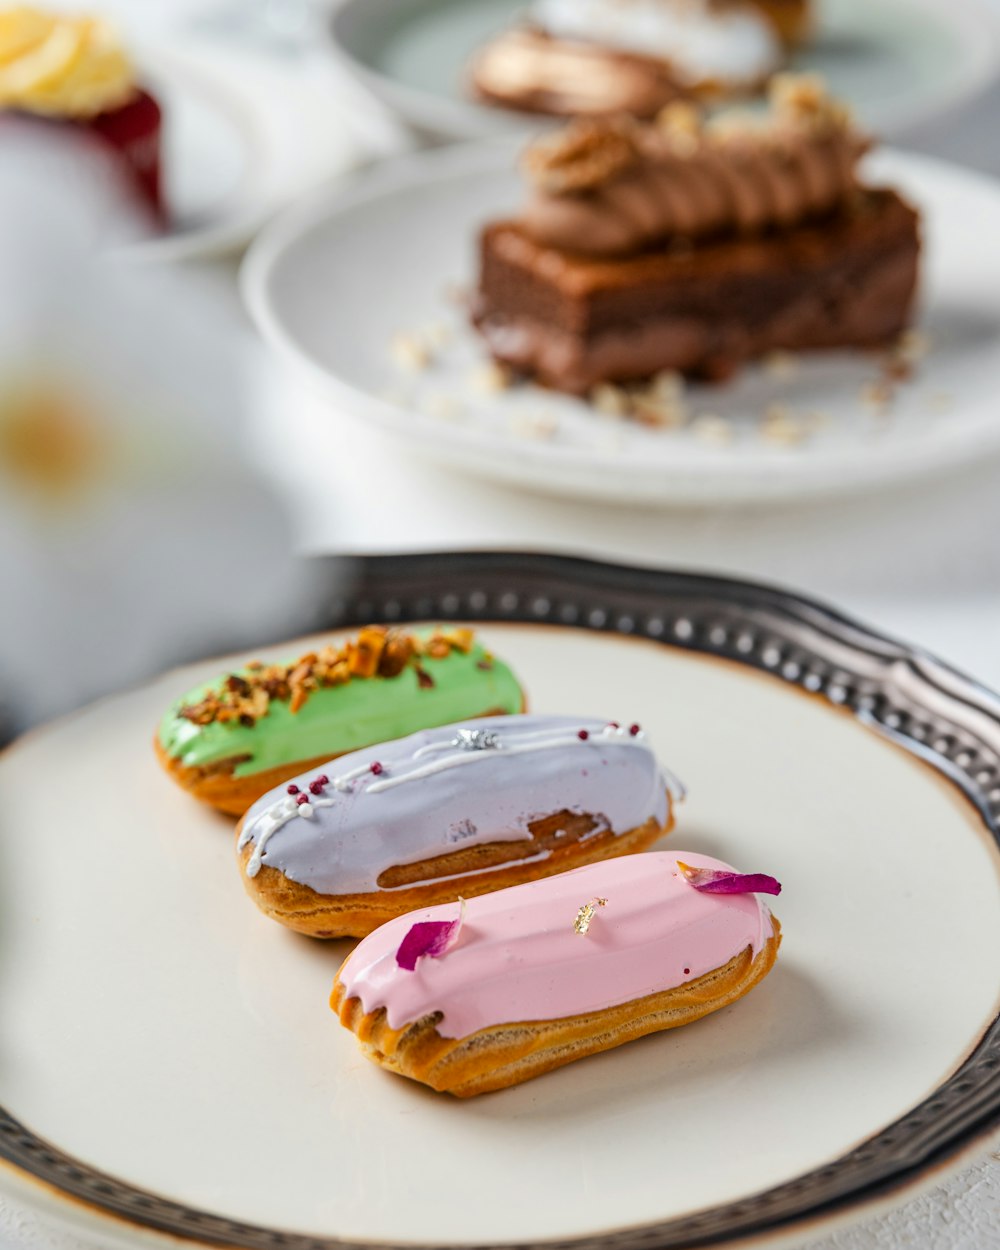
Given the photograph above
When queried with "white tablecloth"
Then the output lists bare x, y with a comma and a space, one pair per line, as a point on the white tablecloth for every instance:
919, 561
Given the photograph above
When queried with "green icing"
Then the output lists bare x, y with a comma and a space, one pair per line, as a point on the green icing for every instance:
337, 719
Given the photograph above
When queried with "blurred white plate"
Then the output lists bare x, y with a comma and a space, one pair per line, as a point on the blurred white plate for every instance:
170, 1061
330, 285
897, 61
245, 135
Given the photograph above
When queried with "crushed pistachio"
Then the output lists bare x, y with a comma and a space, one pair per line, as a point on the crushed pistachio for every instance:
375, 652
410, 352
491, 378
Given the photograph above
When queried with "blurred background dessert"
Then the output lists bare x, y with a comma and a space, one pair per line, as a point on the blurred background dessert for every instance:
694, 246
73, 74
598, 57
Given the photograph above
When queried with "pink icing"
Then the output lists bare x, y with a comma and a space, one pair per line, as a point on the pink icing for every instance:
518, 956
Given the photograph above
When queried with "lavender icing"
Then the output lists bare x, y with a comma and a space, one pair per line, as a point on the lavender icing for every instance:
479, 781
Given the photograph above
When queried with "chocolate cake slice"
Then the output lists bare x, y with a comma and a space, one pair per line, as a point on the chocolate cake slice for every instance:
696, 248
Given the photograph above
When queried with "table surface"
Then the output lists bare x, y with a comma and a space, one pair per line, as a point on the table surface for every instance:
918, 561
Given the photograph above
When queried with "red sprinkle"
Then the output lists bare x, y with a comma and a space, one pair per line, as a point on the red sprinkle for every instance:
583, 735
303, 798
293, 789
376, 768
323, 779
316, 787
634, 729
687, 972
613, 724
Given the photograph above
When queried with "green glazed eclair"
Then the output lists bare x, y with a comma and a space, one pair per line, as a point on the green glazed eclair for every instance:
234, 738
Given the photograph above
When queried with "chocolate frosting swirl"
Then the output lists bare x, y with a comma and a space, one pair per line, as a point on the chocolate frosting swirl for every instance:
618, 187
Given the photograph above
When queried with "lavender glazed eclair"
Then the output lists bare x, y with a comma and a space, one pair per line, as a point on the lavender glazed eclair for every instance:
527, 979
447, 813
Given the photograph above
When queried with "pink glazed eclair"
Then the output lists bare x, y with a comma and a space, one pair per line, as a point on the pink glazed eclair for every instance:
515, 983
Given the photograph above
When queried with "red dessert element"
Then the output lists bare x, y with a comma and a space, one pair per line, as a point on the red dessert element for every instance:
132, 133
128, 137
717, 881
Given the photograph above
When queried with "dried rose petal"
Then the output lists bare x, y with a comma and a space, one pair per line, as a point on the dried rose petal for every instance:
429, 937
713, 881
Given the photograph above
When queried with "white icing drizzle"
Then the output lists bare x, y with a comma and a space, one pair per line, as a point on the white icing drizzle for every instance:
529, 743
468, 747
673, 785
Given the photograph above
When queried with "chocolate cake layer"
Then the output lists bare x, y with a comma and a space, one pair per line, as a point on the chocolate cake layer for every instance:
572, 322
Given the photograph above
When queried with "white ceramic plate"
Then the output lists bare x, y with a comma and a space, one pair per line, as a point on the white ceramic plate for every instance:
330, 286
169, 1058
244, 137
899, 62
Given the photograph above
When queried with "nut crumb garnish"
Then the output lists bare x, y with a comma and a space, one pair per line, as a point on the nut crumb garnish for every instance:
491, 378
610, 400
711, 428
584, 155
410, 352
878, 395
780, 425
667, 385
913, 345
376, 651
804, 99
668, 414
585, 915
681, 124
780, 365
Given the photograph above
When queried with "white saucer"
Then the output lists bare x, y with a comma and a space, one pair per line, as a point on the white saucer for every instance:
171, 1065
898, 62
245, 135
332, 283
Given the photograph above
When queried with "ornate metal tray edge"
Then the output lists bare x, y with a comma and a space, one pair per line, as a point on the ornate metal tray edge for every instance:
924, 705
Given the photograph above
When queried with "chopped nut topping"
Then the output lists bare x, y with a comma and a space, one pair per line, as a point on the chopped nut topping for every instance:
610, 399
878, 395
666, 413
913, 345
780, 425
804, 99
667, 385
780, 365
581, 157
410, 353
492, 377
681, 124
375, 652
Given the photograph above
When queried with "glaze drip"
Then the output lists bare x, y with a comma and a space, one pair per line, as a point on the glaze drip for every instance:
407, 801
